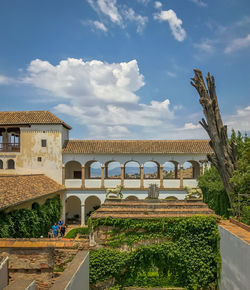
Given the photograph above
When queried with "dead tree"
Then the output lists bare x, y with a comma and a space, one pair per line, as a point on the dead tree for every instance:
224, 156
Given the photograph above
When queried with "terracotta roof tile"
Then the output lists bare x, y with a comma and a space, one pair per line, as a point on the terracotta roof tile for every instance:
137, 146
15, 189
30, 118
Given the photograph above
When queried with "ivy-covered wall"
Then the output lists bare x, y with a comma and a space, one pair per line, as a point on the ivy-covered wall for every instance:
183, 252
30, 223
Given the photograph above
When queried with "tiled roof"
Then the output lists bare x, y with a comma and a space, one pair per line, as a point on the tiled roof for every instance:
16, 189
30, 118
137, 146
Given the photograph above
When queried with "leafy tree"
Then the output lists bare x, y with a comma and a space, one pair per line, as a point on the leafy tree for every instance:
214, 190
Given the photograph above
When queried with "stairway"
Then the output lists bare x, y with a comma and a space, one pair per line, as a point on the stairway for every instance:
151, 209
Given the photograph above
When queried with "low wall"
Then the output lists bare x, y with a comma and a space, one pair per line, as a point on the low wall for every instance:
22, 284
4, 275
76, 276
235, 256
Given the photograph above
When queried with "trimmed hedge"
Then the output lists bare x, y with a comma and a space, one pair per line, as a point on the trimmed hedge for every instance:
74, 232
30, 223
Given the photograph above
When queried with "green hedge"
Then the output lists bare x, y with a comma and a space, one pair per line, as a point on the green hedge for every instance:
30, 223
246, 215
214, 193
187, 255
74, 232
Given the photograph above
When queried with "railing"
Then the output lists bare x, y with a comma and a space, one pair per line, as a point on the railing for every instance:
9, 147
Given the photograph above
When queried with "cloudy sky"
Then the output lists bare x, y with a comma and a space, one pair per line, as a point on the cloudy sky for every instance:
117, 69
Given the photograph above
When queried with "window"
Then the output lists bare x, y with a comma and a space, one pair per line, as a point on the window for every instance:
39, 159
11, 164
44, 142
1, 164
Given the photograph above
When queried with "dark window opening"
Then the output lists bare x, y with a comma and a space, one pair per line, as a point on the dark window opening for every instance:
11, 164
39, 159
44, 142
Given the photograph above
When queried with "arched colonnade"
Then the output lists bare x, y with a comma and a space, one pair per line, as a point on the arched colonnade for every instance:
131, 173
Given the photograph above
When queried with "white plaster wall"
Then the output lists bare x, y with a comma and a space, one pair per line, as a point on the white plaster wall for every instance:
30, 142
147, 182
132, 183
140, 194
235, 257
111, 182
93, 183
171, 183
73, 183
190, 182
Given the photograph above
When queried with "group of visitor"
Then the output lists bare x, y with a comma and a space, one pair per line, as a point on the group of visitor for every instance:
57, 230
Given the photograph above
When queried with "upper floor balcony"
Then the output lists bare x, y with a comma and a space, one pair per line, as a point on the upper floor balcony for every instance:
9, 139
9, 147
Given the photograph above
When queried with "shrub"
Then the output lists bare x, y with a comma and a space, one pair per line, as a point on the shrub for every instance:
186, 256
30, 223
74, 232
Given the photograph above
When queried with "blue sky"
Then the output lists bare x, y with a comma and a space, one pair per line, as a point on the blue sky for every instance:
116, 69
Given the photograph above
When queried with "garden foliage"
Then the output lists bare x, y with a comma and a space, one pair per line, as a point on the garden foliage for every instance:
186, 254
30, 223
74, 232
213, 189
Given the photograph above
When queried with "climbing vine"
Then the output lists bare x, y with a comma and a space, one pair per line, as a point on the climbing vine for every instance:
30, 223
183, 252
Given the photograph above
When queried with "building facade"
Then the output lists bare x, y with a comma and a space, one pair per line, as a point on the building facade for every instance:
37, 142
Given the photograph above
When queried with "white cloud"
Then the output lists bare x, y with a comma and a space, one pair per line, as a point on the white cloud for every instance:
199, 3
158, 5
134, 17
99, 25
5, 80
239, 121
117, 14
191, 126
87, 81
108, 7
102, 96
238, 44
205, 45
174, 22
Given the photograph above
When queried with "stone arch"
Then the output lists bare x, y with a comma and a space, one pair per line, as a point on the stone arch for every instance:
11, 164
132, 173
191, 169
131, 197
170, 169
113, 169
1, 164
92, 203
73, 170
151, 171
93, 169
73, 209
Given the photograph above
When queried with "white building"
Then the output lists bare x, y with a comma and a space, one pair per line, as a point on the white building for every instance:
34, 142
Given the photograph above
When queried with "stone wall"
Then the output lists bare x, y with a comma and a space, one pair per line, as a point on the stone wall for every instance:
34, 264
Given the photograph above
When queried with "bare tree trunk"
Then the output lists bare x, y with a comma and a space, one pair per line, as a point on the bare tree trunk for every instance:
224, 157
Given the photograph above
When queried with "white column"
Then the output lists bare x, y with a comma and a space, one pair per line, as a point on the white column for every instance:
82, 214
63, 199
